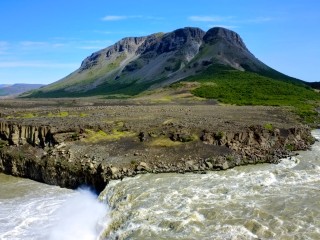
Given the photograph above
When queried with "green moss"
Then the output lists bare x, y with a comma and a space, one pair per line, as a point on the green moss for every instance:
63, 114
289, 147
93, 136
83, 114
268, 126
28, 115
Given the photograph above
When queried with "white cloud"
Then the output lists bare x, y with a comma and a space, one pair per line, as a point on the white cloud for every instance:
224, 26
91, 47
94, 44
114, 18
208, 18
57, 45
103, 32
3, 47
3, 44
123, 17
260, 20
230, 21
36, 64
153, 18
33, 44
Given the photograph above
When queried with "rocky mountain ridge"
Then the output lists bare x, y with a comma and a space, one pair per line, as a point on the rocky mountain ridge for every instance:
135, 64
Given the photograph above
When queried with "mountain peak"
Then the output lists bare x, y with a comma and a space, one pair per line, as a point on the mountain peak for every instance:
135, 64
217, 34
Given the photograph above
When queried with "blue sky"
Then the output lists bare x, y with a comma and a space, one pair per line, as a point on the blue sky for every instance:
42, 41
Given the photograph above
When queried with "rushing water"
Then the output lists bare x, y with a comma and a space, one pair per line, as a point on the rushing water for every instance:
31, 210
253, 202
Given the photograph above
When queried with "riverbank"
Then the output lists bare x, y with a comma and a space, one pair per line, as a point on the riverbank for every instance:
90, 144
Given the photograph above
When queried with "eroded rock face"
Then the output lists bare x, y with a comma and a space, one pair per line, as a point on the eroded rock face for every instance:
259, 143
126, 45
17, 134
185, 39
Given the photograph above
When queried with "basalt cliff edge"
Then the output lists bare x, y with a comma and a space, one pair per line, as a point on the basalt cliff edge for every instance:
68, 148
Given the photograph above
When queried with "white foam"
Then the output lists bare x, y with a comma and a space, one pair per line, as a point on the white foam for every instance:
316, 134
79, 216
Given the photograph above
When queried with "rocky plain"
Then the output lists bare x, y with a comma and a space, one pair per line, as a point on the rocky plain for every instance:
88, 141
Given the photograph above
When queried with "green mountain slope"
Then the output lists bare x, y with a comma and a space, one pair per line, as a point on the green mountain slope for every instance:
232, 86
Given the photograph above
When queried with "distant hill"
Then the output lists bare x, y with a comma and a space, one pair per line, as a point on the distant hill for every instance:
16, 89
315, 85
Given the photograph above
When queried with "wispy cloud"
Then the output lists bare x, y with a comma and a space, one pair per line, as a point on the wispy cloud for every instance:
94, 44
229, 21
208, 18
124, 17
125, 33
3, 44
33, 44
259, 20
224, 26
36, 64
3, 47
114, 18
91, 47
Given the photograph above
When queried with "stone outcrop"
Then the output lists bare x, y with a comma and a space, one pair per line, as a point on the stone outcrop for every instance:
17, 134
215, 35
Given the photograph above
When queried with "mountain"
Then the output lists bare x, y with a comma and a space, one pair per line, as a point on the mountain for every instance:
135, 64
16, 89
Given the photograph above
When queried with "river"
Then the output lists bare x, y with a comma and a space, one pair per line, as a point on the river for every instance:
253, 202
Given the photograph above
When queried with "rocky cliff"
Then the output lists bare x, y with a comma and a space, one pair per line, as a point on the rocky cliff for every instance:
46, 154
20, 135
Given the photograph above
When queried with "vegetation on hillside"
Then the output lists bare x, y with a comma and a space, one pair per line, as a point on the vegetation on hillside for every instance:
231, 86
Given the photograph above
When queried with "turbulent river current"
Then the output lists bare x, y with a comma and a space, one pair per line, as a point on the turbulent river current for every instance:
253, 202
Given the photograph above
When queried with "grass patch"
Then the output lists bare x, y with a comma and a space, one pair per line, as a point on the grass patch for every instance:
63, 114
231, 86
164, 142
83, 114
59, 114
28, 115
94, 137
268, 126
22, 115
